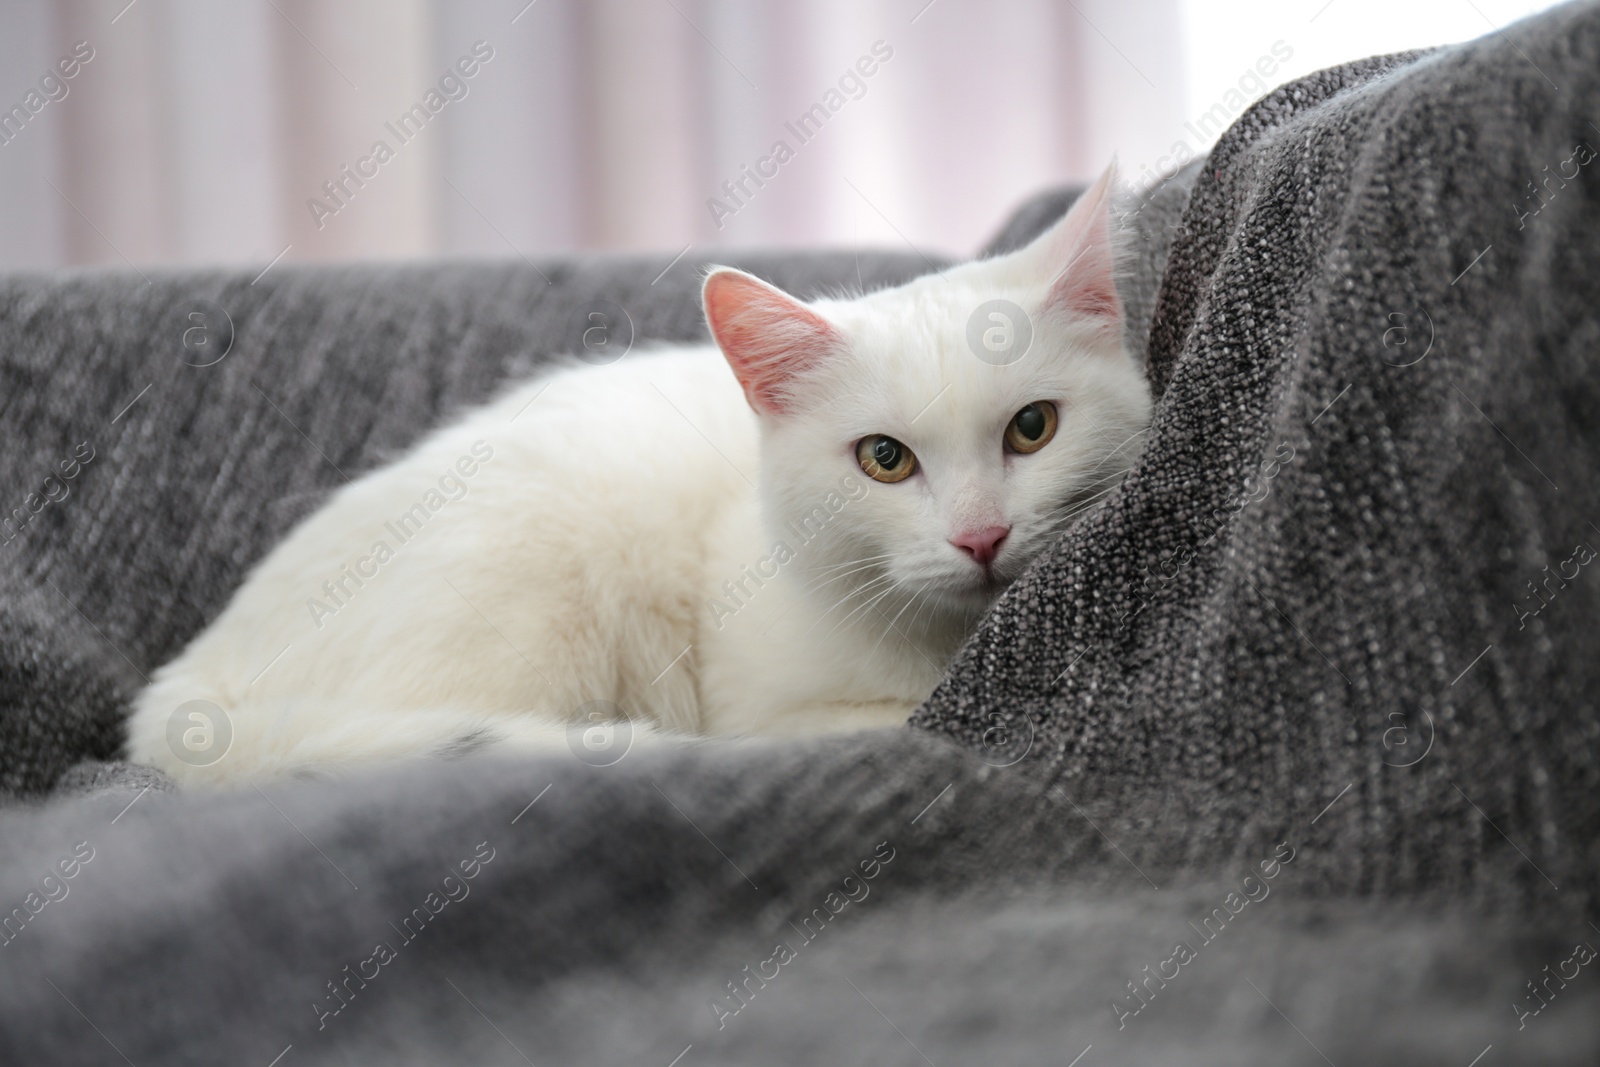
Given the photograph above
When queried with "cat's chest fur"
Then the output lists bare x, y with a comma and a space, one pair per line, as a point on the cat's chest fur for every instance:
790, 650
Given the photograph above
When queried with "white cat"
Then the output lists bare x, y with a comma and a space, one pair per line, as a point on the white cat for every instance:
796, 547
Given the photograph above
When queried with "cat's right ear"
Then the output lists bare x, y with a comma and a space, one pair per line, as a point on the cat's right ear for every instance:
1076, 255
767, 336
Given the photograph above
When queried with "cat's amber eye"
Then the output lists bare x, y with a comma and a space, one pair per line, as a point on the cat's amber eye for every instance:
884, 459
1032, 427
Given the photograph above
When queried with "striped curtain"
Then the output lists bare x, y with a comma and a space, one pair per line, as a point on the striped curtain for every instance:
241, 131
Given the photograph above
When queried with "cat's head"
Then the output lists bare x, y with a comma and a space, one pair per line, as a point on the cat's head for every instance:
981, 408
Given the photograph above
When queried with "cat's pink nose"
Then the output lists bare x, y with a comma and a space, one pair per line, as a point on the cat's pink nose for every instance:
982, 545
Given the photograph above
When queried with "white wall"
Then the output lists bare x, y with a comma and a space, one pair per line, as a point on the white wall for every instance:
1223, 38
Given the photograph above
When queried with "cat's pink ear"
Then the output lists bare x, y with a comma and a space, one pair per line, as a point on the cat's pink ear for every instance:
1077, 255
767, 336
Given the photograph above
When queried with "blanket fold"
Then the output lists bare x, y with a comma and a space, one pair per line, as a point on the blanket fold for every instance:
1349, 563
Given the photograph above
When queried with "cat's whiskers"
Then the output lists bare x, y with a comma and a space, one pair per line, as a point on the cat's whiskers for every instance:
1077, 505
848, 562
1116, 476
912, 599
1123, 445
853, 593
813, 586
866, 563
868, 605
1112, 479
1053, 523
911, 625
859, 584
1092, 490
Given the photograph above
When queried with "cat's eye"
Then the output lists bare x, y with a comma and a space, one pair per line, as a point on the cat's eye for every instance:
884, 459
1032, 427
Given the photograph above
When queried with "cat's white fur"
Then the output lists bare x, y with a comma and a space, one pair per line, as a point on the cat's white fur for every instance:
615, 538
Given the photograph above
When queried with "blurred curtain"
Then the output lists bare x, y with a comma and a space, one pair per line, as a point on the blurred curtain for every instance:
207, 131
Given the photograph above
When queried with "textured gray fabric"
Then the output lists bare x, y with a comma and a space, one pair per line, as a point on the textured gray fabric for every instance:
93, 778
614, 911
1110, 786
1258, 658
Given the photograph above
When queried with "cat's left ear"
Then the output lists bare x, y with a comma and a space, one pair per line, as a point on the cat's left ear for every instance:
1077, 257
767, 336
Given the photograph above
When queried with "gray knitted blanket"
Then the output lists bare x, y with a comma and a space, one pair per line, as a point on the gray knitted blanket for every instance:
1286, 754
